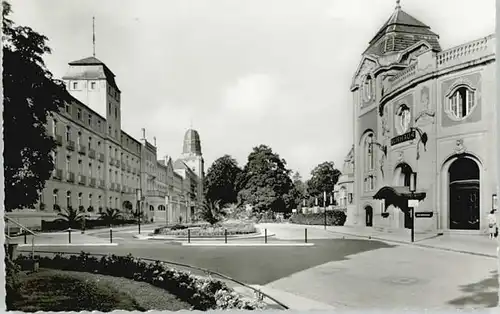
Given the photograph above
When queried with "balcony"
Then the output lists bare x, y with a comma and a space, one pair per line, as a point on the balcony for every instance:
112, 186
82, 180
92, 153
58, 139
82, 150
70, 177
117, 163
70, 145
155, 193
57, 174
92, 181
101, 183
123, 166
111, 161
128, 168
101, 157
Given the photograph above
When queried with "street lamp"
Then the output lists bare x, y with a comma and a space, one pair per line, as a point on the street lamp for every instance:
413, 188
167, 203
324, 205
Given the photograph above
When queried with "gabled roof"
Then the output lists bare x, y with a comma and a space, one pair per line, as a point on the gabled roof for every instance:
87, 61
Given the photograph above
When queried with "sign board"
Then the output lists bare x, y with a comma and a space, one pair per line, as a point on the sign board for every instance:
403, 138
424, 214
413, 203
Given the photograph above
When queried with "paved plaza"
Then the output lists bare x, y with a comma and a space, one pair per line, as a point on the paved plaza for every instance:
339, 271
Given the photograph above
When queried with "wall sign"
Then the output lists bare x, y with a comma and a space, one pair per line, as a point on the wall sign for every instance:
408, 136
424, 214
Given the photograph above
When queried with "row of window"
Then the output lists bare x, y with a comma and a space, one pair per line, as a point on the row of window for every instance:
91, 85
92, 201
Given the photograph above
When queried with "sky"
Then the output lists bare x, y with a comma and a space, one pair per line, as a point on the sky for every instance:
241, 72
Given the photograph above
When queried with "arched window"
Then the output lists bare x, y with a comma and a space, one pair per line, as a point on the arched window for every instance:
79, 139
368, 147
90, 143
161, 207
461, 102
151, 208
368, 87
55, 196
68, 199
68, 165
403, 119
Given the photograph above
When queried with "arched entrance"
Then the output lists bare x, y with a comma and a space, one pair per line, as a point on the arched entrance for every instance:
402, 175
369, 216
464, 194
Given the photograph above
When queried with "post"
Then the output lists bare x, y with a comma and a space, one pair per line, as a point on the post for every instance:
412, 224
265, 235
225, 235
305, 235
25, 236
139, 216
189, 235
69, 235
33, 247
324, 205
110, 235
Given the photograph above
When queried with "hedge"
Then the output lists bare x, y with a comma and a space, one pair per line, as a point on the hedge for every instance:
333, 218
208, 231
57, 225
202, 293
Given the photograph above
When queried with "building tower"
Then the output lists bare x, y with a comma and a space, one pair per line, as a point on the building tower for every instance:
193, 158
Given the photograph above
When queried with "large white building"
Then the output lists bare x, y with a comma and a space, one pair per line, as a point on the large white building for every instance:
421, 109
99, 166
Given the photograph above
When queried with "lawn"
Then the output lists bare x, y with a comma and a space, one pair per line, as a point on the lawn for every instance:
55, 290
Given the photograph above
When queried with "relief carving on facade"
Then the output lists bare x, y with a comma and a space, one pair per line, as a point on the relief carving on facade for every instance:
460, 147
401, 156
426, 114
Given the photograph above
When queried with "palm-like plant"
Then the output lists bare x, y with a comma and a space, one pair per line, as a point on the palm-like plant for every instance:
110, 215
71, 216
211, 212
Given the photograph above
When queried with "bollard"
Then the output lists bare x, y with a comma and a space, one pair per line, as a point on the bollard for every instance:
110, 235
189, 236
305, 235
225, 235
265, 235
25, 235
69, 235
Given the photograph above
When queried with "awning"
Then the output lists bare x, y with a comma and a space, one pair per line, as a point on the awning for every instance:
397, 196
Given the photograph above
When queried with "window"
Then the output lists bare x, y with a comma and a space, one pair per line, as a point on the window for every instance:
90, 200
68, 133
89, 116
116, 133
67, 108
109, 129
55, 197
92, 85
99, 125
116, 176
90, 169
369, 152
80, 199
151, 208
116, 202
99, 171
461, 102
75, 85
80, 166
368, 88
110, 200
68, 199
79, 113
79, 138
116, 112
110, 176
99, 201
68, 163
90, 143
109, 108
161, 208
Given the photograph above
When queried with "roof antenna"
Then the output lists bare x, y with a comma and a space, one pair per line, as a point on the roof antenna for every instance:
93, 36
398, 4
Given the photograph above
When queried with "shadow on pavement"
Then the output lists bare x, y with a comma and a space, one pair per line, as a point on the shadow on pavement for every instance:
479, 294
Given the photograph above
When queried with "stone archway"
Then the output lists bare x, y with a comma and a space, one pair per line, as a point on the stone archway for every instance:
368, 216
464, 194
401, 177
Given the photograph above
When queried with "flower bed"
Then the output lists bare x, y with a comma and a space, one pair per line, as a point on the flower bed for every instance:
202, 293
333, 218
207, 231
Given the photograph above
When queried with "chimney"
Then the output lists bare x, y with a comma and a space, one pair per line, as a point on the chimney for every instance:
154, 140
143, 139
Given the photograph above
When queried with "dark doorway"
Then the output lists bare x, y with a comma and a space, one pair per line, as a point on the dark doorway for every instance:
464, 199
369, 216
406, 173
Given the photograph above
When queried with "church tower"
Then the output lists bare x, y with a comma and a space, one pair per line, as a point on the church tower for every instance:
193, 158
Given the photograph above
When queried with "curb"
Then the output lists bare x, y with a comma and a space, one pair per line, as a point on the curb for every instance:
248, 244
415, 244
140, 237
69, 244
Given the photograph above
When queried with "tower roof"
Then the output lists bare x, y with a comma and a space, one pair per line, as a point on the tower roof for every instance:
401, 31
192, 143
91, 73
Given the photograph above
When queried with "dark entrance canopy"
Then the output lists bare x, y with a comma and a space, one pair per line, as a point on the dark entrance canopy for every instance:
398, 196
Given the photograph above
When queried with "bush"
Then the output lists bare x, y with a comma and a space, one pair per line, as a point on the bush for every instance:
202, 293
89, 224
205, 230
12, 283
178, 227
333, 218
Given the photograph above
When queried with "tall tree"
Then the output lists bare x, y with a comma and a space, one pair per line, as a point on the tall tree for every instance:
266, 182
221, 179
31, 95
323, 178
